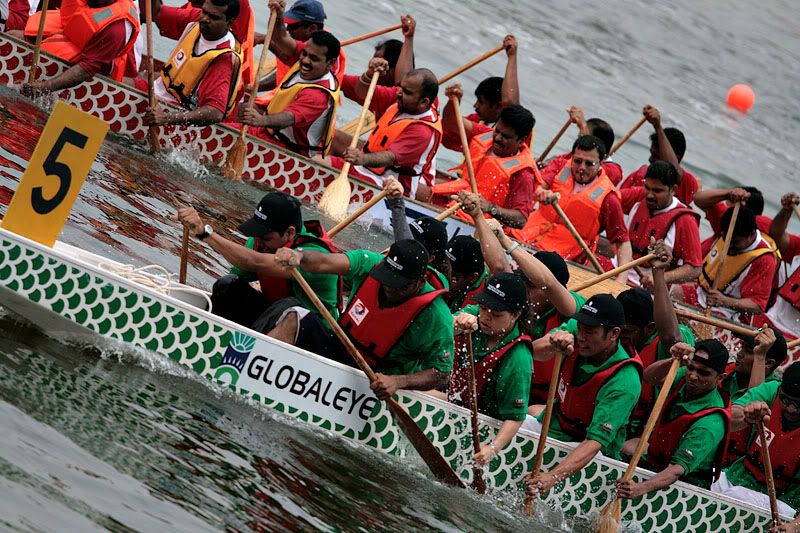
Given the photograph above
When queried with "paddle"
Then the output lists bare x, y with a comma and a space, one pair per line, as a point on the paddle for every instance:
725, 248
448, 212
555, 140
349, 127
234, 164
627, 136
33, 72
462, 132
610, 515
797, 211
710, 320
612, 273
357, 213
271, 65
438, 465
336, 197
152, 131
793, 343
478, 482
577, 237
548, 414
184, 253
773, 498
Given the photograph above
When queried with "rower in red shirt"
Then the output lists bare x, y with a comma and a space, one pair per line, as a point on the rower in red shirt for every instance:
14, 14
204, 70
666, 144
747, 273
302, 114
714, 203
594, 126
505, 171
661, 215
492, 95
406, 138
95, 35
784, 314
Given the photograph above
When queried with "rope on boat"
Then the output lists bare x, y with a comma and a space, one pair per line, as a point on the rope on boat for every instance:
161, 281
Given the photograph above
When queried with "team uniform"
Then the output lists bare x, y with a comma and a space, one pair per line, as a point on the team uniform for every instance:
685, 190
784, 313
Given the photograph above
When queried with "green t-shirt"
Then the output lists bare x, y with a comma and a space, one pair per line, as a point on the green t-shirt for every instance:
697, 447
738, 474
457, 298
325, 285
428, 341
506, 394
614, 402
538, 328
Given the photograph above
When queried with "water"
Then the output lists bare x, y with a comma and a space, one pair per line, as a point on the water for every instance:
94, 437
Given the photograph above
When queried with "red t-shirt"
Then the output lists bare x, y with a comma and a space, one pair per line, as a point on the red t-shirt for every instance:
101, 50
684, 191
757, 285
714, 217
173, 20
612, 219
613, 171
18, 14
793, 249
452, 139
683, 238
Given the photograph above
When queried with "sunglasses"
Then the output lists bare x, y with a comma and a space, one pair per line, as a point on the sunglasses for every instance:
586, 162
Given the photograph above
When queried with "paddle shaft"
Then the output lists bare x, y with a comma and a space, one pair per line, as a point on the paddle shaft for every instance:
793, 343
797, 211
578, 238
480, 485
725, 248
548, 414
773, 498
466, 66
152, 131
710, 320
357, 213
447, 212
462, 132
555, 140
627, 136
262, 60
426, 449
370, 35
184, 254
611, 273
32, 73
361, 119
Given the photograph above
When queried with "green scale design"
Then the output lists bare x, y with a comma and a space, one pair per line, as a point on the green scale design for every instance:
119, 309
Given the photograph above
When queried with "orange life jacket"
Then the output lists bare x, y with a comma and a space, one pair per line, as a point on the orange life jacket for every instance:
78, 23
387, 130
547, 231
492, 173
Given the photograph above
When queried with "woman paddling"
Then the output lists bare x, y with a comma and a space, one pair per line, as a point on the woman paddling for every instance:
502, 357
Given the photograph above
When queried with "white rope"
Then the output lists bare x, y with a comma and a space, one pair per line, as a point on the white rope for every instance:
162, 281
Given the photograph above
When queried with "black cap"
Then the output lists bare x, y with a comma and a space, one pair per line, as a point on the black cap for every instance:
638, 306
405, 263
790, 384
277, 211
431, 233
465, 255
555, 264
778, 351
601, 310
712, 353
504, 292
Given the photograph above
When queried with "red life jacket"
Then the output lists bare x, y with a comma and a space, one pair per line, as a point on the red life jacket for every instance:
790, 291
469, 298
647, 356
432, 277
575, 405
644, 225
784, 447
667, 434
375, 329
543, 370
458, 390
738, 441
274, 288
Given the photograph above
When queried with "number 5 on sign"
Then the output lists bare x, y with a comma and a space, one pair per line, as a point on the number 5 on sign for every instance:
55, 174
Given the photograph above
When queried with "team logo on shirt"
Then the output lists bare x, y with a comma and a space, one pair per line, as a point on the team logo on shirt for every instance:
358, 312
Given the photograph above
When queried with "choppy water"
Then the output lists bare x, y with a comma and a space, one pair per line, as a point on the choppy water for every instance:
92, 437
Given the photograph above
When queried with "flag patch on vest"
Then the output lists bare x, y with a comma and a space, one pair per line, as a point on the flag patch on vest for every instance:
358, 312
180, 57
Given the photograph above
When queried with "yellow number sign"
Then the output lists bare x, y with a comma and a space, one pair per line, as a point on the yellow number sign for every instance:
55, 174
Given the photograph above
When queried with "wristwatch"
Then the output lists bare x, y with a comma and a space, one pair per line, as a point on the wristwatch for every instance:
493, 210
207, 231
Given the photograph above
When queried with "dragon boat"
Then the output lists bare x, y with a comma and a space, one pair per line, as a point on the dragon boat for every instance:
69, 291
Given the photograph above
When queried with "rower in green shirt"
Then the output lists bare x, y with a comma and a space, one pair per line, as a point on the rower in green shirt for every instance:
688, 441
468, 272
502, 357
398, 321
598, 387
776, 404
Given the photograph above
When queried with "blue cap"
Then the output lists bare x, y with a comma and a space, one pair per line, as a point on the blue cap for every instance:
305, 11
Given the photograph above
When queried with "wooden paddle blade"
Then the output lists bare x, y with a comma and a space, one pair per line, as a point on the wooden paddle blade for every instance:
438, 465
608, 521
234, 164
336, 197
